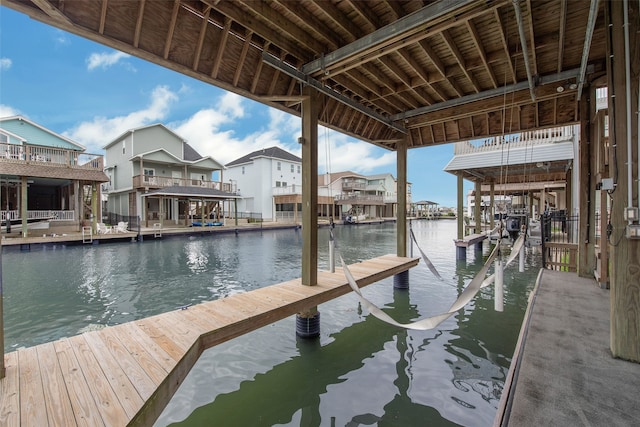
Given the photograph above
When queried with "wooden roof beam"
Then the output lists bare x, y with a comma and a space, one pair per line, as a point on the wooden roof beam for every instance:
332, 39
387, 35
265, 13
203, 32
483, 56
451, 44
138, 30
532, 37
421, 73
237, 14
505, 46
172, 28
243, 57
364, 11
48, 8
258, 72
319, 86
562, 26
591, 23
103, 16
221, 47
340, 19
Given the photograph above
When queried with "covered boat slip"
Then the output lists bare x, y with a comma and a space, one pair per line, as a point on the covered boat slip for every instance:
562, 371
126, 374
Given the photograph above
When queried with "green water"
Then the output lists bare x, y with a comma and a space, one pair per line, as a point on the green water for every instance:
360, 372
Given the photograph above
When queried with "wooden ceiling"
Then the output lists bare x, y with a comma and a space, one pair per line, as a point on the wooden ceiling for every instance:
438, 71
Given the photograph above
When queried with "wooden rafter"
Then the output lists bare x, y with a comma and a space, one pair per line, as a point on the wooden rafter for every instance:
172, 28
243, 57
505, 46
140, 17
258, 72
451, 44
221, 47
233, 11
277, 22
103, 16
203, 32
339, 18
332, 40
562, 26
483, 56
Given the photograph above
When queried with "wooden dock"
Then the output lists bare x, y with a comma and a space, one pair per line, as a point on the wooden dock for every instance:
126, 374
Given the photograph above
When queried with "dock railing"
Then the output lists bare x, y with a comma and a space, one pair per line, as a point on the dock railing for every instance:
559, 241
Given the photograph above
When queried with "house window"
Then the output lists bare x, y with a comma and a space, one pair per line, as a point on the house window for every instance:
243, 170
298, 168
4, 138
283, 184
279, 166
124, 146
148, 174
291, 168
277, 183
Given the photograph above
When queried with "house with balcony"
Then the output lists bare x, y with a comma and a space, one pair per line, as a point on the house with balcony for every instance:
154, 174
361, 197
48, 183
269, 183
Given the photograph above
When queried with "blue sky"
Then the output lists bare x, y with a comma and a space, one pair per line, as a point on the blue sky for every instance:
91, 94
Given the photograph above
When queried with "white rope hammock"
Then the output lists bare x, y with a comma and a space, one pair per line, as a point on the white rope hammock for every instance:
467, 295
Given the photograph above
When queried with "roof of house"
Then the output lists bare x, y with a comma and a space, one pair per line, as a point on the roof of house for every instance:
271, 152
130, 131
190, 153
36, 134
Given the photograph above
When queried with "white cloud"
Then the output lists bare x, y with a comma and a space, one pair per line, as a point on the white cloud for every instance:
7, 111
101, 130
348, 154
5, 63
104, 60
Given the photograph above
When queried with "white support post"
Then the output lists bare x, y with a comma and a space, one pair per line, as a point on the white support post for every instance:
498, 287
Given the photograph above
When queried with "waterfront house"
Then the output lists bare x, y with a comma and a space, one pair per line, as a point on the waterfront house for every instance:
269, 182
363, 197
48, 183
155, 175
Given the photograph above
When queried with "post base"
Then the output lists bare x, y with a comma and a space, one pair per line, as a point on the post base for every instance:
308, 327
401, 280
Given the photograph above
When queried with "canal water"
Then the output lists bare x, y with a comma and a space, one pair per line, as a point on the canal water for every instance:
360, 372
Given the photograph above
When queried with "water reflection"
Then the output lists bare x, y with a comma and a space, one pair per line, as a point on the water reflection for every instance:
360, 372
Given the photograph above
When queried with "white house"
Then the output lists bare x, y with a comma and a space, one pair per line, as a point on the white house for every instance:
154, 174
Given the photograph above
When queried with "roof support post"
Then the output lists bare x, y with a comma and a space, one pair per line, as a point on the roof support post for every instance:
23, 206
477, 209
401, 220
460, 207
309, 140
2, 367
625, 251
491, 205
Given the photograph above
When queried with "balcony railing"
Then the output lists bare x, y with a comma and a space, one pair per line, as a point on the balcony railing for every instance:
35, 154
521, 140
14, 215
146, 181
353, 185
359, 199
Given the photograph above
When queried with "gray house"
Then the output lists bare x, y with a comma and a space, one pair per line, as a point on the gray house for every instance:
154, 174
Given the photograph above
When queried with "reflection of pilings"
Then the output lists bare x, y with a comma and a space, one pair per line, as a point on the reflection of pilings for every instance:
274, 397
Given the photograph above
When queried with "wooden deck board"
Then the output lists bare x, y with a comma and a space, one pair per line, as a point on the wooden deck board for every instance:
10, 392
33, 412
126, 374
106, 400
119, 380
59, 410
84, 407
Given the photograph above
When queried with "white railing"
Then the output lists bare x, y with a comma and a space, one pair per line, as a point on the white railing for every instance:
288, 216
14, 215
290, 189
519, 140
49, 156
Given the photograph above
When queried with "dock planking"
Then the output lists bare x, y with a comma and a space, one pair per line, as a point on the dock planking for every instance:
126, 374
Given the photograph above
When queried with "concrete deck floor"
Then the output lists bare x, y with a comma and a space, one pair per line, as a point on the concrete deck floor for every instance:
566, 375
